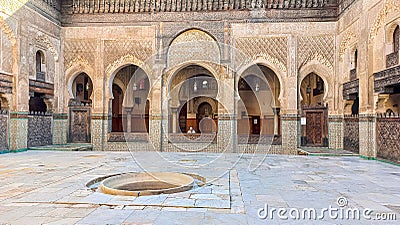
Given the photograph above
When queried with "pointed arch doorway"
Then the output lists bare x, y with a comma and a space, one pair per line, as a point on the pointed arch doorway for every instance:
314, 120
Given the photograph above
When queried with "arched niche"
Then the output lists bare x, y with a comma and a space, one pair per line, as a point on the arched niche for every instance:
193, 45
258, 107
82, 89
129, 104
189, 88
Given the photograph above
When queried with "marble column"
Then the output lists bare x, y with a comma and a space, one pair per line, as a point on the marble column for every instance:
129, 119
276, 120
174, 119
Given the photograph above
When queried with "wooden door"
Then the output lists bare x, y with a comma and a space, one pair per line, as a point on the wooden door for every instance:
315, 128
79, 130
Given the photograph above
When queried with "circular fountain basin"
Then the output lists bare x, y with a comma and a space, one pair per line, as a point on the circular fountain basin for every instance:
138, 184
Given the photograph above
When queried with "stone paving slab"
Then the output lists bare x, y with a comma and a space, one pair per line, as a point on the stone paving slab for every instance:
46, 187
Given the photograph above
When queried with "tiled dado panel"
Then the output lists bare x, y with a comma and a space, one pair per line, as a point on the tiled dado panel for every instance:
18, 131
129, 146
40, 130
367, 126
260, 149
98, 128
335, 132
351, 130
60, 131
290, 133
155, 132
3, 132
388, 137
225, 135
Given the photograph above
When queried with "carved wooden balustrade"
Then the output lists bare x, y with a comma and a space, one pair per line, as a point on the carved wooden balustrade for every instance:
350, 89
131, 6
392, 59
6, 81
386, 79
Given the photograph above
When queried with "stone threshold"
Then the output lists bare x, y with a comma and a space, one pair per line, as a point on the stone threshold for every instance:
65, 147
323, 151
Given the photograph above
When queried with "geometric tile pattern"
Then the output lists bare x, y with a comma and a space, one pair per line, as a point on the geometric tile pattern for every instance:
388, 138
3, 132
351, 134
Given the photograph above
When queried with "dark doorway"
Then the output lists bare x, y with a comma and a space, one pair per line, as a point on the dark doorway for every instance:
255, 125
182, 118
205, 122
117, 109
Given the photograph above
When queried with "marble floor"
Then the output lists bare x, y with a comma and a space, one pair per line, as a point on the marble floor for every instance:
49, 187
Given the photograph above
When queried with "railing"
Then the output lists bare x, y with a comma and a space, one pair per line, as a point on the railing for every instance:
392, 59
41, 76
132, 6
350, 89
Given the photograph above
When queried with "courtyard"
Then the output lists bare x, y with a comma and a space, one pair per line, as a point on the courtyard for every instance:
50, 187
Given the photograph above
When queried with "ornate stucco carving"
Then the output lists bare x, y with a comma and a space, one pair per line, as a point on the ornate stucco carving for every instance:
79, 60
193, 45
45, 40
319, 48
271, 60
78, 49
141, 50
390, 6
345, 43
271, 49
125, 60
7, 31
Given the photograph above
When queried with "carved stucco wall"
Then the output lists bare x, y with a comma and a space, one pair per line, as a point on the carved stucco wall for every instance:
193, 45
320, 48
271, 49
